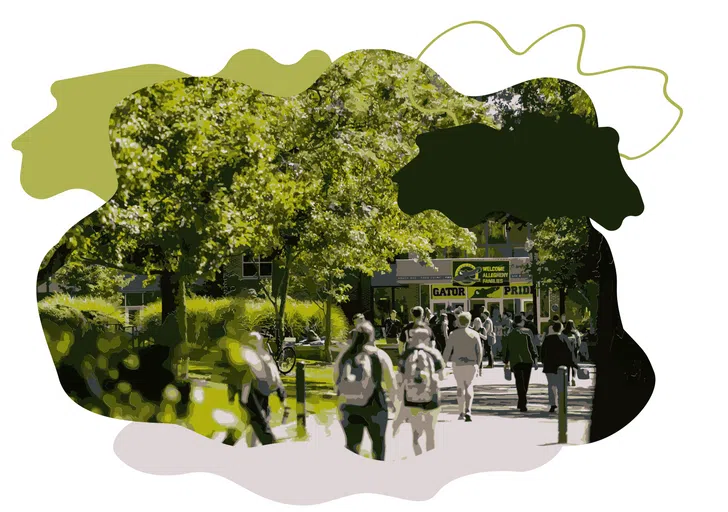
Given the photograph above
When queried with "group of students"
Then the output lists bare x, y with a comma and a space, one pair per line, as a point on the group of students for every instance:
369, 389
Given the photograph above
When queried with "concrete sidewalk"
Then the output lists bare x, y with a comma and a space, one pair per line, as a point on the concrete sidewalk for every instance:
497, 431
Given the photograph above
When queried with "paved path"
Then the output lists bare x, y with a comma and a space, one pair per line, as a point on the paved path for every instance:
496, 421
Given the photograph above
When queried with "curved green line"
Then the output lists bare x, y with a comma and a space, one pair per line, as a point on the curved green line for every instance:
578, 68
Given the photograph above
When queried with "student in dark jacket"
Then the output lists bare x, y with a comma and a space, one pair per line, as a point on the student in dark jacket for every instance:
520, 355
556, 352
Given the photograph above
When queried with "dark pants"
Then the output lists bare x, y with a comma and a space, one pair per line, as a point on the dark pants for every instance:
258, 412
522, 373
488, 353
354, 420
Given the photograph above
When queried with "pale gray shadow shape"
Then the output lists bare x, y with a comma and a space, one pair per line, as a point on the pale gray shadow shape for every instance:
321, 469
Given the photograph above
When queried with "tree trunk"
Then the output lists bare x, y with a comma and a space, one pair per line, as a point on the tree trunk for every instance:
280, 317
625, 379
327, 330
562, 301
168, 291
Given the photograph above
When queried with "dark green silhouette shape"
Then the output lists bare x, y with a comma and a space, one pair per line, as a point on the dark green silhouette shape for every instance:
542, 168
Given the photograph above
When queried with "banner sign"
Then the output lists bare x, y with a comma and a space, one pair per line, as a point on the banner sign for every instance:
516, 291
481, 273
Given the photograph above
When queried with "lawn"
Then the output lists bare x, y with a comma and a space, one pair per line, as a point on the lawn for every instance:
211, 394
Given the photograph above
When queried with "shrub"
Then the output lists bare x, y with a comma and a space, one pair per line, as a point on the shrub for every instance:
208, 320
80, 312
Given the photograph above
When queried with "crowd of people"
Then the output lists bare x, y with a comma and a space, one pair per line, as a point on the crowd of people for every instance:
370, 390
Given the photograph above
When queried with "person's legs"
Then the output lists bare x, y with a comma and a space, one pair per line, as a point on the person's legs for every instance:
489, 354
553, 392
520, 385
469, 373
526, 381
417, 418
377, 427
258, 418
457, 371
430, 422
353, 426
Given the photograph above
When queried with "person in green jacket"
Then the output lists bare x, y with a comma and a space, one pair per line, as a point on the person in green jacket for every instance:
519, 354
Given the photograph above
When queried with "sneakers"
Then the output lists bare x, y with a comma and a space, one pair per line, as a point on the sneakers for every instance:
468, 418
523, 409
461, 417
553, 409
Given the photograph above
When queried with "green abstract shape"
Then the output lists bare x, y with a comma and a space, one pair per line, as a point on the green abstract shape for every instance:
578, 69
69, 149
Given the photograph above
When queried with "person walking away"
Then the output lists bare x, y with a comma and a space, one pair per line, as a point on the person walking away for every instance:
439, 326
555, 353
404, 336
531, 326
392, 327
490, 335
451, 320
573, 339
421, 369
519, 354
465, 352
364, 381
254, 378
478, 327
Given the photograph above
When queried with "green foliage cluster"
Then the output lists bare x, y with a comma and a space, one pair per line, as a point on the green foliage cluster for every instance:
208, 320
80, 312
82, 279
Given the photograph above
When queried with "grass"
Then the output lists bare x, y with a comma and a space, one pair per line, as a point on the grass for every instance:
320, 400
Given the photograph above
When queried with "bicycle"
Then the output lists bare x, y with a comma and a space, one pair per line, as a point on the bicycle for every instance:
284, 356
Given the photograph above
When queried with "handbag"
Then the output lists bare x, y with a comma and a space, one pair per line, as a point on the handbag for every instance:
582, 373
507, 373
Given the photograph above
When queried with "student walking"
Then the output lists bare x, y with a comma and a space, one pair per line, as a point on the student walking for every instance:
254, 377
439, 326
572, 337
363, 379
392, 327
466, 353
421, 369
490, 336
404, 336
519, 354
555, 353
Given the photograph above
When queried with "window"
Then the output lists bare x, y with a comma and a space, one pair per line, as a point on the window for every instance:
520, 252
251, 265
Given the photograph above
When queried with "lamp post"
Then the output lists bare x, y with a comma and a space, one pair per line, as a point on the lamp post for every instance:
530, 248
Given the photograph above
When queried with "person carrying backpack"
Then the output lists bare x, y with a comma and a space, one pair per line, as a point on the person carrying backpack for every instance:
254, 377
363, 379
421, 368
404, 336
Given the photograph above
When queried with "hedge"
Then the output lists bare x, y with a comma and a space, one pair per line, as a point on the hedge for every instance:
210, 319
80, 312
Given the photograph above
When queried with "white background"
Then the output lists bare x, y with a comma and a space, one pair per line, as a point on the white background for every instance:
669, 260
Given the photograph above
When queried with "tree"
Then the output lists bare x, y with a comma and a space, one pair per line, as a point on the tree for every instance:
209, 169
563, 245
76, 278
